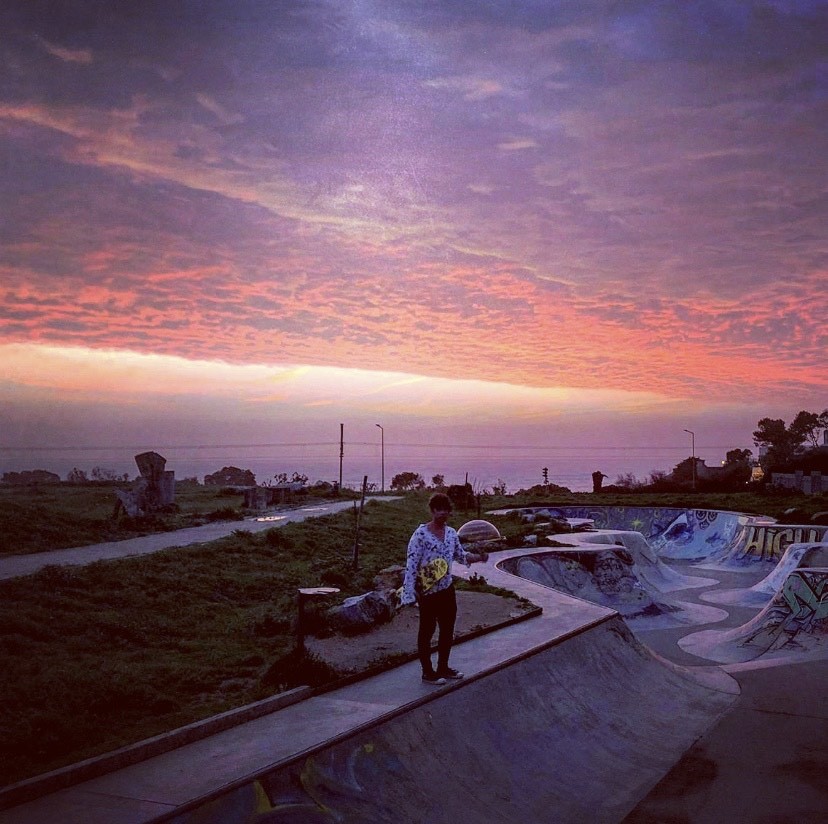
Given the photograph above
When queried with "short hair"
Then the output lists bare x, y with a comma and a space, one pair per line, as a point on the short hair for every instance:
439, 500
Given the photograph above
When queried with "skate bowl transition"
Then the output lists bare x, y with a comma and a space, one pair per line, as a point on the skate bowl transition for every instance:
793, 625
623, 571
559, 735
712, 539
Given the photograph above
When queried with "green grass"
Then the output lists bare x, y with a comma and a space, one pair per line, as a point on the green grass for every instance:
100, 656
57, 516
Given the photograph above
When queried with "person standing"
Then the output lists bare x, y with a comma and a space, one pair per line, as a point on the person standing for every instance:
428, 582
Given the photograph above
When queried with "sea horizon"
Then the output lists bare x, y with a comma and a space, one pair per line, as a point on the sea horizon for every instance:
483, 466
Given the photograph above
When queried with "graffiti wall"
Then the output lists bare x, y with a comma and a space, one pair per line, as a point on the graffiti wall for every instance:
794, 622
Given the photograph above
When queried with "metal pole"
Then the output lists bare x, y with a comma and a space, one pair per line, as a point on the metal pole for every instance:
693, 450
341, 452
382, 442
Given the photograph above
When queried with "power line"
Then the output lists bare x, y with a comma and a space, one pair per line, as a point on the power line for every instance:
288, 444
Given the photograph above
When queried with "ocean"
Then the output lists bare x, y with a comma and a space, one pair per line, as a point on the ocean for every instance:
519, 467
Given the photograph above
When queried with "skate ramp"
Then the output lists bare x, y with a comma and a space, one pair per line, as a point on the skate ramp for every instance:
652, 571
796, 556
577, 730
759, 541
673, 533
794, 625
609, 576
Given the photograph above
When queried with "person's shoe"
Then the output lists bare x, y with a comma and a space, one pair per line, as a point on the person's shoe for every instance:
433, 678
451, 674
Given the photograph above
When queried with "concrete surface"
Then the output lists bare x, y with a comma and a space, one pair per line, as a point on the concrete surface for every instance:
765, 761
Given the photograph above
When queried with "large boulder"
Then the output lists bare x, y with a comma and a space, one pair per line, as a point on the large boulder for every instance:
389, 578
362, 612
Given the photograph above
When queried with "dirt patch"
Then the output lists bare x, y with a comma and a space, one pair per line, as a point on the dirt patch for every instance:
475, 611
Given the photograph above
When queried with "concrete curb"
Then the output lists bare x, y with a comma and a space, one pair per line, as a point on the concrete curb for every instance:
39, 785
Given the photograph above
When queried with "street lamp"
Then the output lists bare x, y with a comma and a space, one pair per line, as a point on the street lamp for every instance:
693, 450
382, 441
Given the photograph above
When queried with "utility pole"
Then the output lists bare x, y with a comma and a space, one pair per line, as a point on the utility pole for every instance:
693, 451
341, 452
382, 441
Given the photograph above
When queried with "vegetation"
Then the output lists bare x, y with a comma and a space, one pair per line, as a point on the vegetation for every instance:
56, 516
783, 443
406, 481
98, 656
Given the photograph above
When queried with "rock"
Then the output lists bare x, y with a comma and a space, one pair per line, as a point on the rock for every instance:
389, 578
362, 612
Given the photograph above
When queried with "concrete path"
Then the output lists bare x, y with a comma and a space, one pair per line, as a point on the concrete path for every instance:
13, 566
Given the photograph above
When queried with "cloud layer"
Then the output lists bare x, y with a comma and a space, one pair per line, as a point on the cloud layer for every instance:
580, 195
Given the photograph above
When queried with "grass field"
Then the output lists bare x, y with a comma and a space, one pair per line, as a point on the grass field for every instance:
57, 516
99, 656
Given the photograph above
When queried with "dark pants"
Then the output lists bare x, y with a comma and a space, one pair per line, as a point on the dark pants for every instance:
438, 610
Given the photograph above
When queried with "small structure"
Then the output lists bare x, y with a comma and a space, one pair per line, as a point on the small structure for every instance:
262, 497
303, 595
811, 484
154, 490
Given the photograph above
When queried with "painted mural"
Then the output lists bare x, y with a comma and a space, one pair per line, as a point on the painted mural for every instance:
794, 622
796, 556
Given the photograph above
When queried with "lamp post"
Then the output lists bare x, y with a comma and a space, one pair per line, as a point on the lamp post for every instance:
693, 451
382, 442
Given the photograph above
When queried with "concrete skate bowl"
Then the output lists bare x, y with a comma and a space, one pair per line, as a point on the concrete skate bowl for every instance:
651, 570
673, 533
577, 730
608, 575
793, 626
797, 556
712, 539
761, 542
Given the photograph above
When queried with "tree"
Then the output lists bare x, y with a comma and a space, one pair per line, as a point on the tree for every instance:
438, 481
737, 457
782, 442
76, 476
499, 488
628, 481
808, 425
737, 468
230, 476
295, 478
407, 480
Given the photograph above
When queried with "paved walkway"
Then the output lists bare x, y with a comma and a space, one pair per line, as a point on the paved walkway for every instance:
13, 566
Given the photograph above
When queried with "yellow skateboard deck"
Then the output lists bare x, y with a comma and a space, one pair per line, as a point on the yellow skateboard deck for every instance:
434, 571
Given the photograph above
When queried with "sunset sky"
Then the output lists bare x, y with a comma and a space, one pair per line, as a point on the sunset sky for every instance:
529, 222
